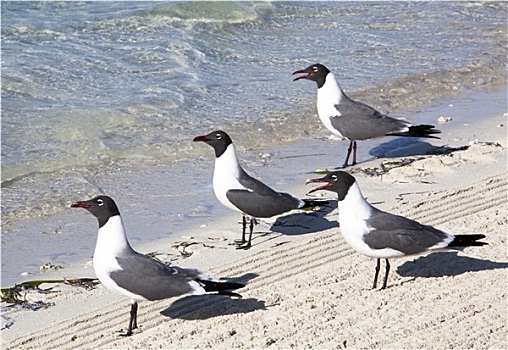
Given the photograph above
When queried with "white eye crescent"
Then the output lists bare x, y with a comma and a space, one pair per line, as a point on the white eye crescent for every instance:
315, 69
219, 136
100, 202
334, 177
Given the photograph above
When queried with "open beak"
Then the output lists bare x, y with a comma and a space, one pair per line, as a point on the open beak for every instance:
322, 187
81, 205
200, 138
307, 74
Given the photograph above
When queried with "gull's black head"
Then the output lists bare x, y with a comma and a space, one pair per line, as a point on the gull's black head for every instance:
315, 72
102, 207
219, 140
337, 181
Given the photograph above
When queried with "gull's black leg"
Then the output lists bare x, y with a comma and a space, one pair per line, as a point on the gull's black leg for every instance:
133, 322
387, 270
374, 285
253, 222
348, 154
244, 228
354, 153
239, 243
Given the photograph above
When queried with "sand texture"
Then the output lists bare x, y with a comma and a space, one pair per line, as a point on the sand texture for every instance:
310, 289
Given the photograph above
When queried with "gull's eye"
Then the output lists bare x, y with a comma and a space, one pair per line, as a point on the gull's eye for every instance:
219, 136
315, 68
334, 178
100, 202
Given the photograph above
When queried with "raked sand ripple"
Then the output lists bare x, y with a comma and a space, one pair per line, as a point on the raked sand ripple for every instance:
311, 292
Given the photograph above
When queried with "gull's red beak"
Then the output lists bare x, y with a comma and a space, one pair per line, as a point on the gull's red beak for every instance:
307, 74
323, 187
81, 205
200, 138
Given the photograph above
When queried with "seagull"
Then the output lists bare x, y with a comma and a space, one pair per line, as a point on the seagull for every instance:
136, 276
382, 235
239, 191
355, 120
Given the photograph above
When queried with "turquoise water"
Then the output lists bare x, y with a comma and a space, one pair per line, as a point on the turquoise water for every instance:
89, 83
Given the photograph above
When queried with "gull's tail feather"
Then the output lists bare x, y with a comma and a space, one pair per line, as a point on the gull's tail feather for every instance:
467, 241
310, 203
223, 288
418, 131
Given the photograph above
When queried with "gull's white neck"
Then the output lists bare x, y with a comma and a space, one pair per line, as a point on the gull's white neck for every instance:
353, 211
111, 239
226, 165
329, 95
225, 175
354, 207
112, 243
330, 91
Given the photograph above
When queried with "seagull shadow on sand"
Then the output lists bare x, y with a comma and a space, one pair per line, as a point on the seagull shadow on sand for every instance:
406, 147
306, 222
201, 307
299, 223
446, 264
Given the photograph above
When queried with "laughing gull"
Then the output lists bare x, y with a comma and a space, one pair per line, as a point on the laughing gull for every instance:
382, 235
123, 270
239, 191
355, 120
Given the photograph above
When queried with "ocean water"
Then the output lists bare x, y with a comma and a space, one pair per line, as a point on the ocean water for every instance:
105, 88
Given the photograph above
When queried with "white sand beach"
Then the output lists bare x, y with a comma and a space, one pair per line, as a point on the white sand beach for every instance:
306, 288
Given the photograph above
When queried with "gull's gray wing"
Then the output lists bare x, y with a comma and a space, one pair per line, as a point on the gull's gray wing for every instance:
150, 278
259, 200
402, 234
262, 205
358, 121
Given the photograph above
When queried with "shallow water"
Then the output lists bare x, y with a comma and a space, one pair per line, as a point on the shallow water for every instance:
110, 89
